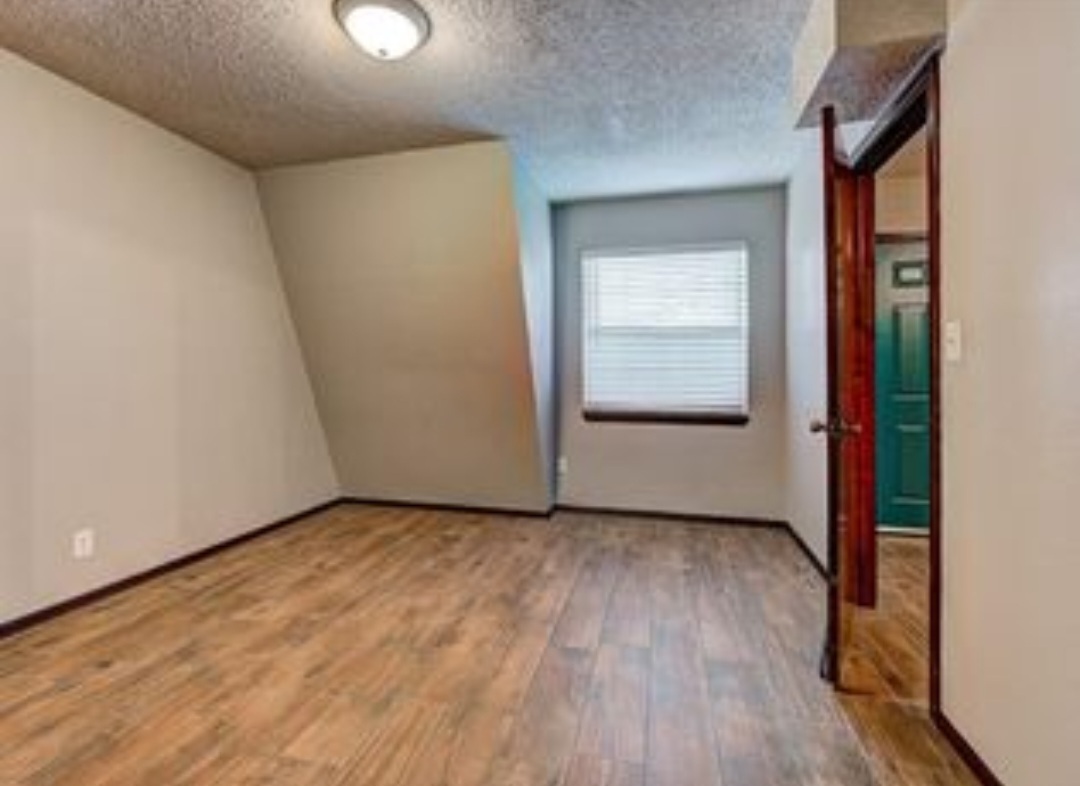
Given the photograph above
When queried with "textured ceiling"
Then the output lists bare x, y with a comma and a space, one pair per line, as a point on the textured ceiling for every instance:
597, 96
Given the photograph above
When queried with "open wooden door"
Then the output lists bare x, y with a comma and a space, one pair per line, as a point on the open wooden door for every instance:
849, 231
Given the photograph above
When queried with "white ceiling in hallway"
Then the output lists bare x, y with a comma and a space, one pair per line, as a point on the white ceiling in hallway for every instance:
599, 97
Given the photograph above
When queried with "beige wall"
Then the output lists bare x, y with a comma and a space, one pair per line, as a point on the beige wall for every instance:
901, 205
151, 386
405, 277
688, 469
1011, 195
807, 392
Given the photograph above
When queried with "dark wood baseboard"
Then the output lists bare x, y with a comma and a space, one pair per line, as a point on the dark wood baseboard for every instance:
963, 748
486, 510
700, 518
8, 629
819, 566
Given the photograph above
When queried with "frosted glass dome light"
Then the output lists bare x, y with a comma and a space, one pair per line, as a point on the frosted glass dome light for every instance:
385, 29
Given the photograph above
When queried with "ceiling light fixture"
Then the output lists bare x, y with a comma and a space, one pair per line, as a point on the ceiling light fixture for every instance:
385, 29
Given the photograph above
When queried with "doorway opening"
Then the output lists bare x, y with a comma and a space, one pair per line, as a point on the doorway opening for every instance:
888, 652
883, 260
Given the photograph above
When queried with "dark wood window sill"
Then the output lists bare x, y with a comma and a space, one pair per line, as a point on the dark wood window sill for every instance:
672, 418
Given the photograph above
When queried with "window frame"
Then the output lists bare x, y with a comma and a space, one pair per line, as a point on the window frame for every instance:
594, 414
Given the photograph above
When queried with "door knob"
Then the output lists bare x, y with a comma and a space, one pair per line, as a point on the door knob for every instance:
836, 428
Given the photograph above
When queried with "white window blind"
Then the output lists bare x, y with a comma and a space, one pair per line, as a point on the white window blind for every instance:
666, 332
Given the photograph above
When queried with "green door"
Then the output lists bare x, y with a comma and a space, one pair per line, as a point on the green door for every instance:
903, 385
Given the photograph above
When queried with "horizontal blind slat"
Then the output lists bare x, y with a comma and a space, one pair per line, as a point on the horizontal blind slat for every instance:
666, 331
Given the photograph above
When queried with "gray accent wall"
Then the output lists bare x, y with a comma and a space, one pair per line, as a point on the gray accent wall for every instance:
695, 469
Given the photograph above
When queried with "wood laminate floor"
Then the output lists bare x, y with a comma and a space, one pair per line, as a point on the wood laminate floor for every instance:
891, 643
393, 647
887, 673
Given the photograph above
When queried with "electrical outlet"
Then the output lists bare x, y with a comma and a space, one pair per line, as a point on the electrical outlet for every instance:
563, 466
82, 544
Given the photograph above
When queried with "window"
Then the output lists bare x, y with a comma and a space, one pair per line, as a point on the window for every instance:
666, 335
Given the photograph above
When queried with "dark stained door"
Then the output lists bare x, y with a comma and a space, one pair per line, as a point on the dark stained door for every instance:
849, 426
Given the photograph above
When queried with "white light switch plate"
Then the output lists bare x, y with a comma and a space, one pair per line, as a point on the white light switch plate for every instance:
954, 342
82, 544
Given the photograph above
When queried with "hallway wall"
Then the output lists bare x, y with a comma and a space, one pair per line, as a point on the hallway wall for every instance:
1011, 195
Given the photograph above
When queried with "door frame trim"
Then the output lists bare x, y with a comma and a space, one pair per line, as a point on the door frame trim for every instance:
916, 107
830, 657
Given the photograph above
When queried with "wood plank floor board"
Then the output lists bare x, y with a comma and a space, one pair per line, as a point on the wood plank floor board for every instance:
629, 621
480, 737
588, 770
614, 724
544, 732
384, 646
886, 673
583, 616
681, 743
